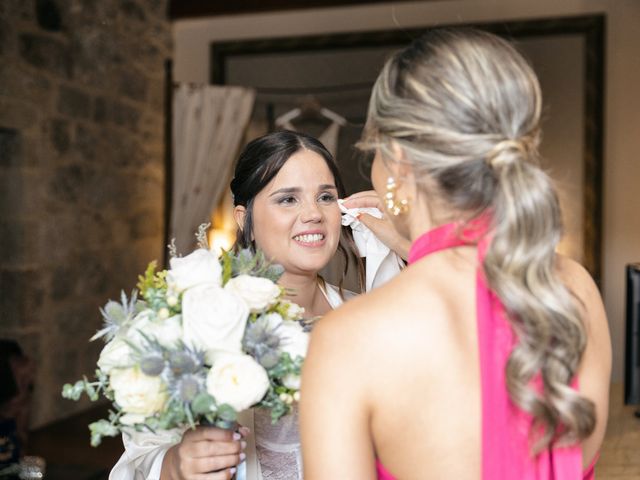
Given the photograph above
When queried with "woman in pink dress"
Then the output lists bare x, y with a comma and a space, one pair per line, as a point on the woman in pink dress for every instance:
489, 356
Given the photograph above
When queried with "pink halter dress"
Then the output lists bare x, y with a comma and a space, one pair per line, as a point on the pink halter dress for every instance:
505, 428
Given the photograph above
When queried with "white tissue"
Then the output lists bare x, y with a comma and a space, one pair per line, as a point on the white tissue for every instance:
382, 263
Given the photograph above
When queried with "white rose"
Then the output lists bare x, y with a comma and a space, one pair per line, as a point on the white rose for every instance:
273, 320
294, 311
259, 293
132, 418
293, 339
291, 381
165, 331
213, 319
115, 354
238, 380
136, 392
199, 267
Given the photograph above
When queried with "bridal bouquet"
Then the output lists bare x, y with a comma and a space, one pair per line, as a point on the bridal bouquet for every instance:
197, 343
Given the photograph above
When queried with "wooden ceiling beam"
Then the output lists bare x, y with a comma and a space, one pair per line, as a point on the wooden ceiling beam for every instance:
182, 9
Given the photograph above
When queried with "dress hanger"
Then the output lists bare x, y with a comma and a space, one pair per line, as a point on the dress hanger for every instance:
310, 106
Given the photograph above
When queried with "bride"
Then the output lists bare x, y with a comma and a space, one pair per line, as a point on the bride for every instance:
286, 189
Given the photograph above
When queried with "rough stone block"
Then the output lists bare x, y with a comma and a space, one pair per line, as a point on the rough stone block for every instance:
10, 147
21, 83
17, 115
74, 102
125, 116
17, 9
62, 237
76, 320
147, 223
22, 298
66, 183
60, 135
91, 275
157, 95
89, 145
11, 193
99, 109
63, 283
133, 84
132, 10
48, 53
18, 242
8, 39
106, 192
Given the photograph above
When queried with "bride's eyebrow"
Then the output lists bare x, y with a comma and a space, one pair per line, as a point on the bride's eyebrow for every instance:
280, 191
286, 190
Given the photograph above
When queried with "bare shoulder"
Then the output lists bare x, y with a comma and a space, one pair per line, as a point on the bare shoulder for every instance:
575, 276
390, 311
582, 286
595, 368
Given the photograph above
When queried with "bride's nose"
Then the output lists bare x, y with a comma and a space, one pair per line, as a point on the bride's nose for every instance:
310, 213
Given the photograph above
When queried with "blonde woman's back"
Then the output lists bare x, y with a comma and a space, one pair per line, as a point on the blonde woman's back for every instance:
416, 338
456, 387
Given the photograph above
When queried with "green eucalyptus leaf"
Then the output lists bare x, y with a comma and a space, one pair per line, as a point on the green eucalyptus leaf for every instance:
202, 404
226, 412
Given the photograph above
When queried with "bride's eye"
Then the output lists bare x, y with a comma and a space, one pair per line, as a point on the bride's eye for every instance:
288, 200
327, 197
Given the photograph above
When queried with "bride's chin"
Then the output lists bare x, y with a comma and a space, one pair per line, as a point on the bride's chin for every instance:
307, 268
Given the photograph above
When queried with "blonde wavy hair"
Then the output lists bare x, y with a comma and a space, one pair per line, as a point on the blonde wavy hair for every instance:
465, 106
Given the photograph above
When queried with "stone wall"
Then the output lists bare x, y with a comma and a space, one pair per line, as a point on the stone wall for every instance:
81, 174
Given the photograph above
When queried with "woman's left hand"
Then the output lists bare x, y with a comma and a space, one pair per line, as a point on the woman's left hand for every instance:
381, 227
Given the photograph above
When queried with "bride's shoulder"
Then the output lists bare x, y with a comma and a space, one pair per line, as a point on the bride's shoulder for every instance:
337, 296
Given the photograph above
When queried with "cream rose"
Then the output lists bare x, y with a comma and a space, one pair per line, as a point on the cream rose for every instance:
258, 293
293, 339
115, 354
165, 331
199, 267
137, 393
213, 319
132, 418
292, 381
238, 380
294, 311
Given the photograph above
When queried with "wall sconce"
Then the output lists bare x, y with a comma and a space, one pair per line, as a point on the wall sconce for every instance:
221, 239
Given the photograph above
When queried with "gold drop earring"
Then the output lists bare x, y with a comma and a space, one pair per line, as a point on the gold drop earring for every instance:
394, 206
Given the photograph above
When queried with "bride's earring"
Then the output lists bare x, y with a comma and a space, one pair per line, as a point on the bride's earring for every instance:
394, 206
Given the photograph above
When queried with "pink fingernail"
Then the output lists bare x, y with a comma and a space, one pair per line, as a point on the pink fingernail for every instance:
243, 445
243, 456
232, 470
237, 436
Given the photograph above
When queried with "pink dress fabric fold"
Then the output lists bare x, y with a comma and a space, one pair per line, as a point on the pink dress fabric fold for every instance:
505, 428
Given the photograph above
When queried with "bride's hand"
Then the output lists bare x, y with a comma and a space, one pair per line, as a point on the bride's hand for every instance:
381, 227
206, 453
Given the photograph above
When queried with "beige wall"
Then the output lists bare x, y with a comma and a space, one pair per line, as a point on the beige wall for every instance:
622, 135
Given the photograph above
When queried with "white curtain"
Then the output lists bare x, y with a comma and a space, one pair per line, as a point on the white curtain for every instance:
208, 125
